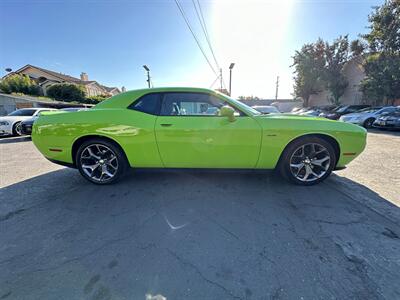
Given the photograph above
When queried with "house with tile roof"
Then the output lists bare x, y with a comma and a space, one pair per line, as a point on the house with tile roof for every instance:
46, 78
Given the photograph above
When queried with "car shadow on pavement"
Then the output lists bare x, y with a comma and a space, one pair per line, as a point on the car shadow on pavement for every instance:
385, 132
196, 235
18, 139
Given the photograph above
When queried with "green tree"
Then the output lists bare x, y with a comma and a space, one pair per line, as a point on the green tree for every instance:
309, 65
381, 84
96, 99
336, 57
357, 48
382, 66
19, 84
384, 35
67, 92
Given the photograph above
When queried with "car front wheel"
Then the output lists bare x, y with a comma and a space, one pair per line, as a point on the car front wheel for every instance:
101, 161
368, 123
17, 129
307, 161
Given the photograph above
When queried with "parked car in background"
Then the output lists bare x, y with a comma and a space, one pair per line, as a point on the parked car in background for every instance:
343, 110
388, 120
295, 110
319, 110
72, 109
299, 111
26, 126
367, 116
266, 109
11, 124
315, 111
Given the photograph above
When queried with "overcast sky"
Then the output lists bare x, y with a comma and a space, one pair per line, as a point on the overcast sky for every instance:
111, 40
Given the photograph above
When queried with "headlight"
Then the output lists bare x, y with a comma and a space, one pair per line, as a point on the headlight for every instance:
4, 123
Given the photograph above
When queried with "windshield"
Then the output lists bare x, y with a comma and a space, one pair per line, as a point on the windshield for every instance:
342, 109
23, 112
369, 109
243, 106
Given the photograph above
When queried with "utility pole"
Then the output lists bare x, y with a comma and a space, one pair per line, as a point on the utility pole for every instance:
220, 78
230, 78
148, 74
277, 88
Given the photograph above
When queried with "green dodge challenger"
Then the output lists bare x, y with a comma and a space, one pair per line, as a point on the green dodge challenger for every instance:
193, 128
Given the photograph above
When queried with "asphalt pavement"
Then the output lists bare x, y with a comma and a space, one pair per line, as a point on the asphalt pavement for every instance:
199, 234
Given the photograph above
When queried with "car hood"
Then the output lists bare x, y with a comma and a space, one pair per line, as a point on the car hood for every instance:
352, 115
310, 123
14, 118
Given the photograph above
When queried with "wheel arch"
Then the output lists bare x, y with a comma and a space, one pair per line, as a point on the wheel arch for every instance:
79, 141
328, 138
14, 124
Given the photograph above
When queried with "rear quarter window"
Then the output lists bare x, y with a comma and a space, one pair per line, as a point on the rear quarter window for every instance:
149, 104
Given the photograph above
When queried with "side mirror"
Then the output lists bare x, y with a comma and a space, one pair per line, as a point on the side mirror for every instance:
227, 111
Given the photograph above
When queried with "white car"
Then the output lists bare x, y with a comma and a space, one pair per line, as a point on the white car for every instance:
266, 109
11, 124
367, 116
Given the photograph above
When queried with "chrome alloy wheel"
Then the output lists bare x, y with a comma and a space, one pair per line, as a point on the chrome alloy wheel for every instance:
18, 128
99, 162
310, 162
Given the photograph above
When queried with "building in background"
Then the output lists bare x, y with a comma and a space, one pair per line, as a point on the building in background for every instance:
354, 73
45, 78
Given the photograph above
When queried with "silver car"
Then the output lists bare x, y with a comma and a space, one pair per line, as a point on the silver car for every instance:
367, 116
266, 109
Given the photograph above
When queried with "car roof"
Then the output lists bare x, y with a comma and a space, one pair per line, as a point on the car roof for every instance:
125, 99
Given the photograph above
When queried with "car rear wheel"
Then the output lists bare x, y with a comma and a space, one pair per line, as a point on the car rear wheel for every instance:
307, 161
101, 161
368, 122
17, 129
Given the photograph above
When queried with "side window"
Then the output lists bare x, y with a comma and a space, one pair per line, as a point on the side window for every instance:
388, 110
148, 104
190, 104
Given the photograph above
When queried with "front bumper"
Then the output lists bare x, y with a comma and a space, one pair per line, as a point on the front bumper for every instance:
386, 125
26, 129
5, 130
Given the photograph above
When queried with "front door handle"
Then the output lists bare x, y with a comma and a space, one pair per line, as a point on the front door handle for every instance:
166, 125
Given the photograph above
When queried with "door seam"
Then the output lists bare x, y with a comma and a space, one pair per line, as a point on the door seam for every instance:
155, 137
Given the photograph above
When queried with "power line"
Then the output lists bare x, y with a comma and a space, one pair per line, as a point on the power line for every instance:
204, 27
194, 35
212, 84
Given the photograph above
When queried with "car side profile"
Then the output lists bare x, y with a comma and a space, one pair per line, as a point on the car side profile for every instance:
193, 128
343, 110
367, 116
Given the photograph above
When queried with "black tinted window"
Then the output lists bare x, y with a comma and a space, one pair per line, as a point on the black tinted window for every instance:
148, 104
23, 112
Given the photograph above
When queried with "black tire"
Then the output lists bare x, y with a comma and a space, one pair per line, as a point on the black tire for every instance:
17, 129
120, 160
284, 166
368, 123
